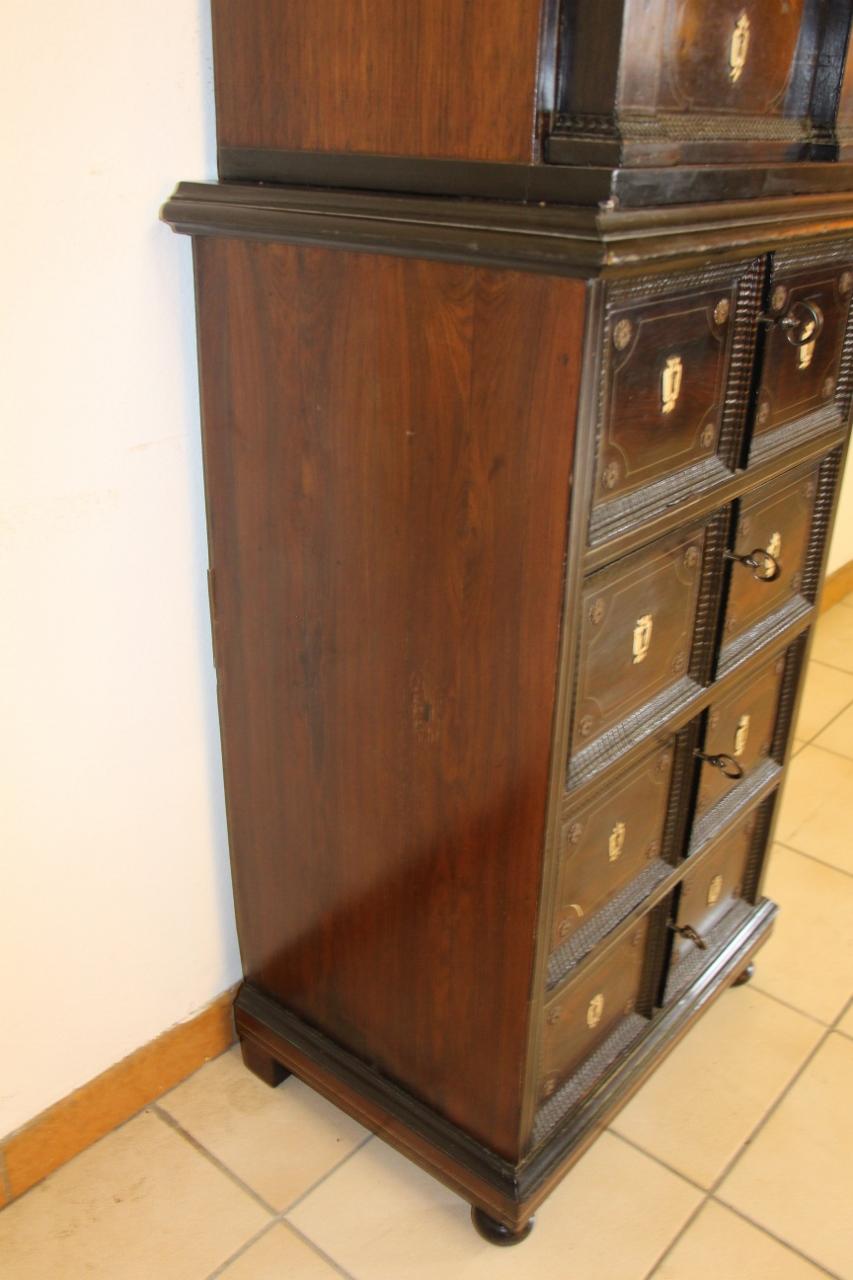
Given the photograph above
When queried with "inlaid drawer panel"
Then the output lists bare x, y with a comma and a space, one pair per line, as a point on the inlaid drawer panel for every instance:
610, 841
666, 373
771, 544
580, 1018
636, 630
708, 894
739, 733
808, 311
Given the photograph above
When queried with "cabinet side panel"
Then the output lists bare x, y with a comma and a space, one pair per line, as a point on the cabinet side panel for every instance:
440, 78
388, 448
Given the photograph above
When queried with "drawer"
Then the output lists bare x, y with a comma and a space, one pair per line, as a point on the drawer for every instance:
689, 81
610, 841
739, 733
665, 377
809, 307
773, 531
637, 621
581, 1018
710, 892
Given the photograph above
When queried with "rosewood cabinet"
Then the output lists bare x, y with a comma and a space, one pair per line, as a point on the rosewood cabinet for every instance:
517, 518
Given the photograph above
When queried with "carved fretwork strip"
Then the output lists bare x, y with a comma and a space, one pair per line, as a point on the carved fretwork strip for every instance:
823, 509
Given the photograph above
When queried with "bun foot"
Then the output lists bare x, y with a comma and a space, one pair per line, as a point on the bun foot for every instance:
262, 1064
743, 978
495, 1232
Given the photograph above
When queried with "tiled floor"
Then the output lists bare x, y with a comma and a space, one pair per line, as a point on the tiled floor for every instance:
735, 1162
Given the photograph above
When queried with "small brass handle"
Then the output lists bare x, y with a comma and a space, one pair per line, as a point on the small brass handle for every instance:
766, 568
810, 324
726, 764
687, 931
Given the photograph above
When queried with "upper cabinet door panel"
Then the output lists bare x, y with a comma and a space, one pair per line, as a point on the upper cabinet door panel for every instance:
805, 356
674, 387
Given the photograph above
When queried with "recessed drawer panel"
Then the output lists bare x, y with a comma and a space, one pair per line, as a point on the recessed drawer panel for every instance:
672, 395
802, 354
610, 841
709, 893
772, 542
739, 733
579, 1019
636, 631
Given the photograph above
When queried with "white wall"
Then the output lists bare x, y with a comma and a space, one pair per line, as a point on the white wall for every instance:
115, 902
841, 547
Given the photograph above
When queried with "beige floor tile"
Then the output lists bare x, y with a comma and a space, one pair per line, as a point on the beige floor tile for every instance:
140, 1203
838, 736
704, 1101
798, 745
721, 1246
279, 1141
808, 961
814, 805
847, 602
796, 1179
833, 642
825, 694
281, 1255
846, 1023
380, 1218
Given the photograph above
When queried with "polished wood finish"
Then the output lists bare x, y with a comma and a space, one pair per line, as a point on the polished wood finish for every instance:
386, 642
433, 78
708, 894
740, 726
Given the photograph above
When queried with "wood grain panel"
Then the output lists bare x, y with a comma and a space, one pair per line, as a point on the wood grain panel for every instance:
440, 78
388, 451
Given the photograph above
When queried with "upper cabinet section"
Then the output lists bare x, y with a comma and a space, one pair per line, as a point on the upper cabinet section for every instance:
410, 96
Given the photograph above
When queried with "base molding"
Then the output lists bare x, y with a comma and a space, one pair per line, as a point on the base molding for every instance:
506, 1192
54, 1137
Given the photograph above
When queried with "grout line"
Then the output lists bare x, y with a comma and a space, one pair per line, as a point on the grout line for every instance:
214, 1160
629, 1142
771, 1111
831, 666
787, 1005
813, 742
314, 1185
244, 1248
676, 1238
813, 858
792, 1248
842, 1014
327, 1258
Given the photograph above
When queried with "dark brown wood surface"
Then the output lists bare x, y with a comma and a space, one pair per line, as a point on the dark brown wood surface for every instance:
388, 450
429, 78
755, 701
709, 893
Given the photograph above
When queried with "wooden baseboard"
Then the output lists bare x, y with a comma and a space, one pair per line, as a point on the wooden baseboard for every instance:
837, 585
91, 1112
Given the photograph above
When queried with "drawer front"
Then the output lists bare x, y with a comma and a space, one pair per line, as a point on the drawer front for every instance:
637, 619
611, 840
665, 387
709, 893
803, 348
737, 57
740, 728
777, 521
578, 1020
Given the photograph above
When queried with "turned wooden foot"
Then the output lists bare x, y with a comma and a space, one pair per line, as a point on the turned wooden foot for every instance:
262, 1064
742, 978
495, 1232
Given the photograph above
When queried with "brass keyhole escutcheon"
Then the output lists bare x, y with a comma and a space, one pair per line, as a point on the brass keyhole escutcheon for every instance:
642, 638
595, 1010
616, 843
670, 383
741, 736
715, 889
739, 47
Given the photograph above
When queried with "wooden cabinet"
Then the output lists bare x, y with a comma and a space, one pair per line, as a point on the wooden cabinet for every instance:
518, 512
